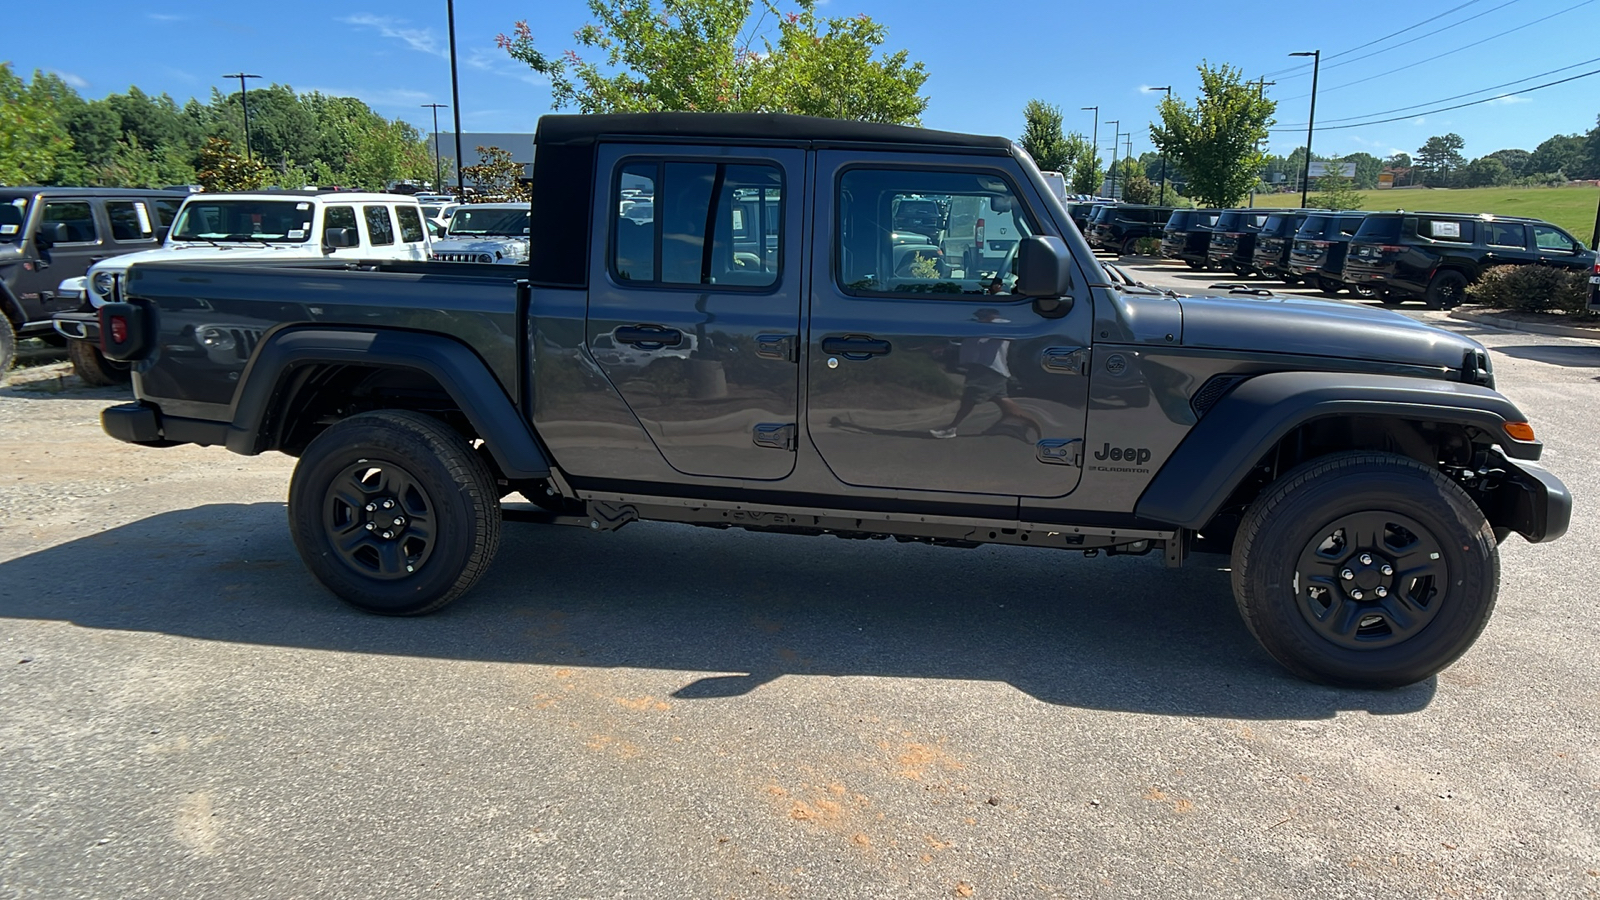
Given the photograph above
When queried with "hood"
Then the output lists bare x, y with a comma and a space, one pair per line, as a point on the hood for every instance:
1303, 325
501, 248
204, 250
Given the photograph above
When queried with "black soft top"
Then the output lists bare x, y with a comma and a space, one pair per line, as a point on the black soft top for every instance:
564, 155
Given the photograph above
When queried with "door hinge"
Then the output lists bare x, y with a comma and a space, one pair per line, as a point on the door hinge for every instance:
778, 346
1066, 360
774, 435
1061, 451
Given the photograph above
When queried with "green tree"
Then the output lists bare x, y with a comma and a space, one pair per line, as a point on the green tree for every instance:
1486, 171
1440, 158
1515, 161
1217, 141
1042, 136
221, 168
497, 176
1083, 176
1335, 191
1368, 168
33, 141
1563, 153
689, 55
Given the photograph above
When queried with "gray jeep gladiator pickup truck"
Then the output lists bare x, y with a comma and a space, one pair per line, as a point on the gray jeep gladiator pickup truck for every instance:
805, 336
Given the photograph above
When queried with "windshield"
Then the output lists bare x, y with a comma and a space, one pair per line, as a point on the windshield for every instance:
469, 221
13, 214
275, 221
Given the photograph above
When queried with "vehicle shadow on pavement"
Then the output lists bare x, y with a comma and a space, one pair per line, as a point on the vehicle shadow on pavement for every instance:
731, 611
1569, 355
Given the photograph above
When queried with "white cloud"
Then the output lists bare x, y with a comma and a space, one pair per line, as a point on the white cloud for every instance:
1507, 99
69, 78
387, 97
420, 39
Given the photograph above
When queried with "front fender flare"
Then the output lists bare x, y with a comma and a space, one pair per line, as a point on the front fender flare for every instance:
451, 363
1234, 434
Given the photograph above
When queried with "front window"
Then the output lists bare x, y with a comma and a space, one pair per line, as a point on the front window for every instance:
1548, 238
971, 251
270, 221
478, 222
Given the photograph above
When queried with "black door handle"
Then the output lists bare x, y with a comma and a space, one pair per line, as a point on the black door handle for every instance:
649, 337
855, 346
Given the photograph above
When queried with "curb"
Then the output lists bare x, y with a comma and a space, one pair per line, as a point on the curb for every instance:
1530, 327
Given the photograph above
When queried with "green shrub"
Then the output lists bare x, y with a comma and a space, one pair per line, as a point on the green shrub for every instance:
1148, 246
1532, 289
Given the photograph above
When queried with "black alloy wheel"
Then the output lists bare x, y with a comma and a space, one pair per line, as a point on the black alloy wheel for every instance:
1446, 291
1370, 579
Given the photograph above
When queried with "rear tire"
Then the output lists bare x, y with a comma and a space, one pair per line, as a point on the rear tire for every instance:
92, 366
1365, 569
8, 346
429, 499
1329, 287
1446, 290
1130, 246
1194, 264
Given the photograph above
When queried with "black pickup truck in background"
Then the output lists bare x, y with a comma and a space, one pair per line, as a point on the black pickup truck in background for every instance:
805, 337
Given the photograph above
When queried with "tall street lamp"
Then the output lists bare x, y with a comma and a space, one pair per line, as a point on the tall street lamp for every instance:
1094, 140
455, 97
438, 167
1163, 201
244, 105
1115, 124
1311, 124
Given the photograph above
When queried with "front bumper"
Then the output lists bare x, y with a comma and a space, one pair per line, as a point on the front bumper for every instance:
1530, 501
79, 326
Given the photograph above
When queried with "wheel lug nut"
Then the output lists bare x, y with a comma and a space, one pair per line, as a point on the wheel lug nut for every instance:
1366, 558
1356, 595
387, 535
1347, 575
1382, 592
1387, 570
399, 521
370, 526
389, 504
371, 507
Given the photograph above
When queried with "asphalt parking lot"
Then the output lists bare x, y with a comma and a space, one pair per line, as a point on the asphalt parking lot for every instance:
671, 712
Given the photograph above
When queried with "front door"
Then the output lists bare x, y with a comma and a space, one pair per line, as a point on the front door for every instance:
924, 372
85, 245
694, 306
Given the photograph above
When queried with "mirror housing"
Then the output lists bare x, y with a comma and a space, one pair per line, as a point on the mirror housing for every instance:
1044, 267
336, 238
52, 233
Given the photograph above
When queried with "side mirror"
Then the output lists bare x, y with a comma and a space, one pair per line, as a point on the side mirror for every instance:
335, 238
52, 233
1044, 267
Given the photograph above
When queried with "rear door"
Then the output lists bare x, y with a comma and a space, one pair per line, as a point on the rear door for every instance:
691, 318
1507, 244
923, 371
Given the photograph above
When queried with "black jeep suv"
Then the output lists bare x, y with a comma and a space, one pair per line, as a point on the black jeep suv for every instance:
1320, 247
1187, 235
1119, 228
1434, 256
51, 234
1233, 239
1274, 243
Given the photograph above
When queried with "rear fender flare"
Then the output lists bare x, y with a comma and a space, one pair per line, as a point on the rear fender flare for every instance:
460, 371
1234, 435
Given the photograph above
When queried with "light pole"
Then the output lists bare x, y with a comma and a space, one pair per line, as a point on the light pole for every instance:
1115, 124
1311, 124
245, 106
455, 97
438, 167
1163, 201
1094, 140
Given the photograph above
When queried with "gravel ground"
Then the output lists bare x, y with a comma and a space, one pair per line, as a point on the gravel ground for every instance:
185, 713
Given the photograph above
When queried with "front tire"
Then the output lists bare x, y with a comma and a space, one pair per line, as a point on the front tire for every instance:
394, 512
8, 346
1365, 569
92, 366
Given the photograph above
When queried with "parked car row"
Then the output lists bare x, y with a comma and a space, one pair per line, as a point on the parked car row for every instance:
1394, 256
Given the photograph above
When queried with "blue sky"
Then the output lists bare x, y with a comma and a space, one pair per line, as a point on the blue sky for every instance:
986, 60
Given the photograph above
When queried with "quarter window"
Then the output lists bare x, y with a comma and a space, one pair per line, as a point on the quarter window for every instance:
129, 221
166, 211
923, 232
1452, 230
410, 224
78, 218
681, 223
379, 226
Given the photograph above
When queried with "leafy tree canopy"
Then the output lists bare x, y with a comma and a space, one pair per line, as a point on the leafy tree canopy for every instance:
1217, 141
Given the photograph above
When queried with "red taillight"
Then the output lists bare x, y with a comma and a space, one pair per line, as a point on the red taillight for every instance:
977, 233
1322, 243
119, 329
1390, 248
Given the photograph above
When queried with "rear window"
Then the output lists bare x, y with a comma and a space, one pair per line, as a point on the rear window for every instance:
1349, 225
1279, 225
1379, 228
1314, 226
1229, 221
1104, 214
1178, 220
